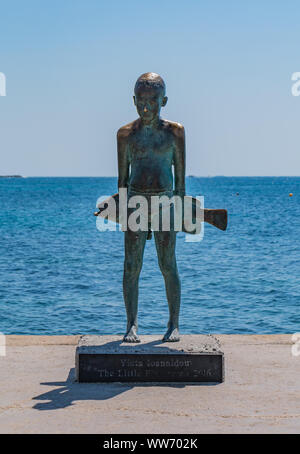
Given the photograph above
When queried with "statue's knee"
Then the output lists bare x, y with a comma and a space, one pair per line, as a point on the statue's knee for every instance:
168, 268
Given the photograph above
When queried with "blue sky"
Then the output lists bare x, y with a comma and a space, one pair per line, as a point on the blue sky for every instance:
71, 66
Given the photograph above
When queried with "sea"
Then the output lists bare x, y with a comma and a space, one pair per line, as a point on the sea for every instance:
60, 275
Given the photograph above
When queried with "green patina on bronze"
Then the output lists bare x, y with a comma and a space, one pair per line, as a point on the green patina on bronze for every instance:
147, 149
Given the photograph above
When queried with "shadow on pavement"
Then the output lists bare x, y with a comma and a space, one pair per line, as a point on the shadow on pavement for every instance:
71, 391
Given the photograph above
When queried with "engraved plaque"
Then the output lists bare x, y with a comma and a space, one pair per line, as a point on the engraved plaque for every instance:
150, 368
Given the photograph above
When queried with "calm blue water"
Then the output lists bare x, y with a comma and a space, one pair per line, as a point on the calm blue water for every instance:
60, 275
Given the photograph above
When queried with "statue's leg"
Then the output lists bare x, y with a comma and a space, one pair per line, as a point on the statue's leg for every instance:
134, 251
165, 245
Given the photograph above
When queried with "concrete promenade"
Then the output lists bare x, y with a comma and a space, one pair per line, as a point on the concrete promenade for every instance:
261, 393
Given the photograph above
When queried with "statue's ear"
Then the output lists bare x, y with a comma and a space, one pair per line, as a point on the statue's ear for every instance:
134, 100
164, 101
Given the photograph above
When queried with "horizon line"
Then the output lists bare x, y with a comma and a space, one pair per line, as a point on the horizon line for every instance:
115, 176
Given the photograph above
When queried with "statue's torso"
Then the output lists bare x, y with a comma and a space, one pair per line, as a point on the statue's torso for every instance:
150, 155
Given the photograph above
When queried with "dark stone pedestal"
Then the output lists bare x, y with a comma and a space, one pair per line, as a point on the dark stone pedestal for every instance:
196, 358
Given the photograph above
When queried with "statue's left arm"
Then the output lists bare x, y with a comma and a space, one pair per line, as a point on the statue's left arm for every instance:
123, 161
179, 160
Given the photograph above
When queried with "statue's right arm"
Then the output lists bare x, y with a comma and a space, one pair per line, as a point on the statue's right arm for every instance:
123, 161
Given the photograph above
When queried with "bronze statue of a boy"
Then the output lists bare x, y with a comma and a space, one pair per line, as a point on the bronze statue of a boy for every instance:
147, 149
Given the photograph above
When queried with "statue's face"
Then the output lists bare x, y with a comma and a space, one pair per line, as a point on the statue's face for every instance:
148, 103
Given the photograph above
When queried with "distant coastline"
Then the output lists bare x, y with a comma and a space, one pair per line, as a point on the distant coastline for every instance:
11, 176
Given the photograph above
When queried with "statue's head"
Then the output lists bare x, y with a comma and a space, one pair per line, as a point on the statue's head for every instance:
149, 96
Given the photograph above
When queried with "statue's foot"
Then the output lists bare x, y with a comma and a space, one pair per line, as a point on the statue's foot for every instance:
172, 335
131, 336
